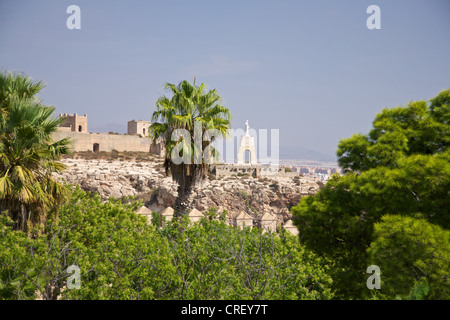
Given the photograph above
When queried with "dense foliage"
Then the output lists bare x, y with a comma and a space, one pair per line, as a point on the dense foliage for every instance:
409, 250
419, 128
402, 167
122, 256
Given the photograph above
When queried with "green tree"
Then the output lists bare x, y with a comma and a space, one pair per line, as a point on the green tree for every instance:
121, 256
402, 167
216, 261
189, 104
418, 128
16, 262
15, 87
409, 251
28, 155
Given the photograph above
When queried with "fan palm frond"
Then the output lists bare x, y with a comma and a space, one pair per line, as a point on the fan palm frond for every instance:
189, 103
28, 155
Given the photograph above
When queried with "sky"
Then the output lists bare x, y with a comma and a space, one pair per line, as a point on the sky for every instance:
312, 69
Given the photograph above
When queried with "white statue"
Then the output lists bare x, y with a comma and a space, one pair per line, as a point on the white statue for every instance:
247, 144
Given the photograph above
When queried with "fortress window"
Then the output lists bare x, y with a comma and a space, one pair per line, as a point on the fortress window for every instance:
79, 128
96, 147
143, 130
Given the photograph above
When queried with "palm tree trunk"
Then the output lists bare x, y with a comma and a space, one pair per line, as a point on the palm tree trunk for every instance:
182, 201
24, 217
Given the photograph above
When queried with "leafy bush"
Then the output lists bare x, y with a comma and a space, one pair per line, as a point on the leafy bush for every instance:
409, 250
243, 264
401, 167
119, 254
122, 256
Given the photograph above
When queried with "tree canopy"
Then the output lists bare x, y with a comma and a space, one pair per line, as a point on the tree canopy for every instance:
121, 256
419, 128
409, 250
402, 167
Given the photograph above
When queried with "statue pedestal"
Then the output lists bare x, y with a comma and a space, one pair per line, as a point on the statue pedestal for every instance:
247, 144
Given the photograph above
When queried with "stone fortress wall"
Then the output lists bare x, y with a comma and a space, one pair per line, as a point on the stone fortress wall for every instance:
106, 142
75, 128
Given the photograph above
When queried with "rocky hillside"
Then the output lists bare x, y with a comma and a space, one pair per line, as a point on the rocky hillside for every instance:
145, 178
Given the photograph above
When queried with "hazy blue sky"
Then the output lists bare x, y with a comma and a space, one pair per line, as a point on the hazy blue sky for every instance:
309, 68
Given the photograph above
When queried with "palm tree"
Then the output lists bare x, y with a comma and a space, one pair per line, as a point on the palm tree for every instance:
188, 104
28, 155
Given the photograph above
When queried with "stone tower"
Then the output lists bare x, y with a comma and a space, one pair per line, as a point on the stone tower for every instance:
139, 127
247, 144
74, 122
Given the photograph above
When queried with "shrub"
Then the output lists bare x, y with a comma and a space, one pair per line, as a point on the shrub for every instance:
122, 256
408, 250
275, 186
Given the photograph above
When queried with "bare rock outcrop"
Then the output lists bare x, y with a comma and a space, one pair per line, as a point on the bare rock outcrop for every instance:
253, 196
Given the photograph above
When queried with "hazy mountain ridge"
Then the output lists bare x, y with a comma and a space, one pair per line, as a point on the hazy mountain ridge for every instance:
289, 152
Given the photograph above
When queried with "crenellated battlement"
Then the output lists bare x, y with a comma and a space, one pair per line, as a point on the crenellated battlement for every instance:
74, 122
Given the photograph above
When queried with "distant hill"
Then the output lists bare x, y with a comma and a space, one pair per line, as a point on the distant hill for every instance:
288, 152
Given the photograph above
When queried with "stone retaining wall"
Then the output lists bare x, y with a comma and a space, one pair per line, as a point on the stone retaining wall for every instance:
107, 142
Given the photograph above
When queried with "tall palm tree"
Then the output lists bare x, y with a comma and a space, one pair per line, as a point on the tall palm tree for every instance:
28, 155
188, 104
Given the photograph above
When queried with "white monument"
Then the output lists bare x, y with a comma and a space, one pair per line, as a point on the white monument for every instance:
247, 144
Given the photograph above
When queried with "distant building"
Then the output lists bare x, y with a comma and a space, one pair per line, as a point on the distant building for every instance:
320, 170
75, 128
139, 127
304, 170
74, 122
